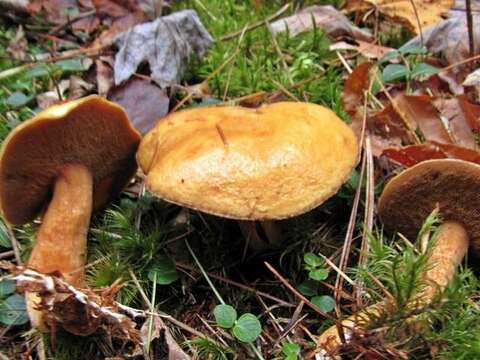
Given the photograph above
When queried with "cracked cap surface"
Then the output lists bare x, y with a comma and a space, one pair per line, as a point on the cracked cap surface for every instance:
273, 162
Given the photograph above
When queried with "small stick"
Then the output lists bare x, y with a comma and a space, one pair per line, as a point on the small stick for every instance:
295, 291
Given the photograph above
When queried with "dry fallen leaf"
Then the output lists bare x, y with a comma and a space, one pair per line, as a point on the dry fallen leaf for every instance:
144, 102
369, 50
411, 155
104, 74
166, 44
327, 18
450, 37
429, 12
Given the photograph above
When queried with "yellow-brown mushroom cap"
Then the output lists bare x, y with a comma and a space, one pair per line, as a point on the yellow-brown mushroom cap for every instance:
90, 131
273, 162
452, 185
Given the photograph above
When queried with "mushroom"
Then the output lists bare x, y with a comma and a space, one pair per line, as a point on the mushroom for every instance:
68, 159
452, 187
269, 163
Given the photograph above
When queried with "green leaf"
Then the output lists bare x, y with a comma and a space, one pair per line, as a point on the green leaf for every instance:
291, 350
412, 49
325, 303
4, 238
312, 259
388, 56
247, 328
71, 65
394, 72
423, 70
7, 287
308, 288
318, 275
17, 99
13, 311
165, 271
38, 71
225, 315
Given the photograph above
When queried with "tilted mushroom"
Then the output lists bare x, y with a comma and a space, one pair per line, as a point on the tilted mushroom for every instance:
68, 159
269, 163
407, 200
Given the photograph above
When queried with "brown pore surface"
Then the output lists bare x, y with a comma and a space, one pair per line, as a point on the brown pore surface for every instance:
273, 162
90, 131
452, 185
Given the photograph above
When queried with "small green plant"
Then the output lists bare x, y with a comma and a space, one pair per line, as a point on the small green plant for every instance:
291, 351
317, 271
412, 67
12, 305
246, 328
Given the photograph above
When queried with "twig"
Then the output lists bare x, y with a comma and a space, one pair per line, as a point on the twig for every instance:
418, 22
295, 291
7, 254
239, 285
257, 24
15, 245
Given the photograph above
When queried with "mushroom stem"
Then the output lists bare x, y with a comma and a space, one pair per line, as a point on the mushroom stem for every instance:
449, 249
62, 238
257, 242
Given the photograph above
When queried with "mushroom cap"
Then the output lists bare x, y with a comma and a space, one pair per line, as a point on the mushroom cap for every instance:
273, 162
412, 195
90, 131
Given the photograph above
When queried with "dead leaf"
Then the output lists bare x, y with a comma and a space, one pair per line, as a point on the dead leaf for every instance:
18, 46
166, 44
78, 88
472, 79
54, 96
327, 18
429, 12
119, 26
54, 11
369, 50
353, 96
461, 123
411, 155
449, 38
419, 112
104, 75
144, 102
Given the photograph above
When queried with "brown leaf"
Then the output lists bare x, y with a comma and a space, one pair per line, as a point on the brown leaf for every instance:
386, 130
429, 12
104, 75
353, 96
54, 11
327, 18
144, 102
411, 155
369, 50
114, 9
419, 111
118, 26
460, 123
87, 24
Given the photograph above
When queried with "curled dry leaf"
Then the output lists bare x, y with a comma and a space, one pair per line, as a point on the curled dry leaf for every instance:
327, 18
144, 102
79, 311
369, 50
429, 12
104, 74
166, 44
411, 155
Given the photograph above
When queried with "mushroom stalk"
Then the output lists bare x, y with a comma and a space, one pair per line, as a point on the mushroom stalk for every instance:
449, 249
62, 238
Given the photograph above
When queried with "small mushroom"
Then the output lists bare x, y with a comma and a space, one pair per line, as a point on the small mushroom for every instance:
68, 160
452, 187
270, 163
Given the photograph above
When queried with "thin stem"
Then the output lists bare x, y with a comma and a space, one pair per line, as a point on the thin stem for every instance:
204, 273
